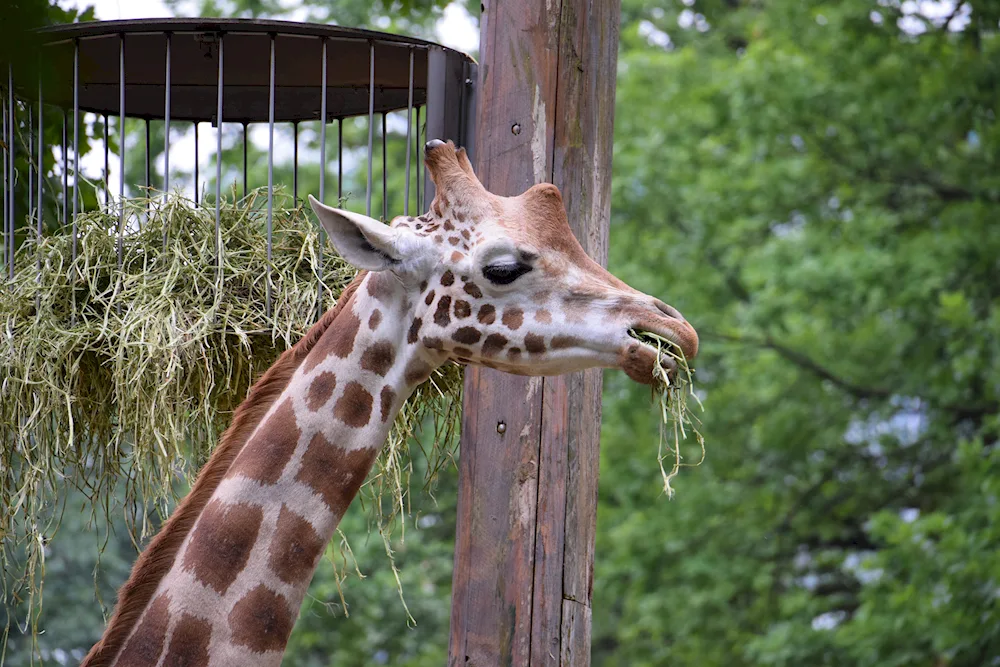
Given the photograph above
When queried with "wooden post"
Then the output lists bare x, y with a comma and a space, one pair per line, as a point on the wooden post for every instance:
528, 468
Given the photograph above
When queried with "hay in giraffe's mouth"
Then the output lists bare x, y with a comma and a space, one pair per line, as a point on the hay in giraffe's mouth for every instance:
672, 385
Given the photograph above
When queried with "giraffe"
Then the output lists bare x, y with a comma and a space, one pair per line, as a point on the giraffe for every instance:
478, 279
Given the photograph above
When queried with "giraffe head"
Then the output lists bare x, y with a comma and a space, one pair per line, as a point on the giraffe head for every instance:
502, 282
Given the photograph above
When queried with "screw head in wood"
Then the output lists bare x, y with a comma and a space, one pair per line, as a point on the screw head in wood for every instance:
516, 128
501, 428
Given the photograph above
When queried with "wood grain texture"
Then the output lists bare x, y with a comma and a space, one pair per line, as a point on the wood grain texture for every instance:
527, 507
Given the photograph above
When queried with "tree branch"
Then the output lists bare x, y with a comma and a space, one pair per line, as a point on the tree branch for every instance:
806, 363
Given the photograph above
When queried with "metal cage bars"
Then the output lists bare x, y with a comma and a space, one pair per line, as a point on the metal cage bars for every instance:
11, 127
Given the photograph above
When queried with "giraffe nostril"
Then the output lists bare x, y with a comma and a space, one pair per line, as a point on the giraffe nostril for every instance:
669, 311
432, 144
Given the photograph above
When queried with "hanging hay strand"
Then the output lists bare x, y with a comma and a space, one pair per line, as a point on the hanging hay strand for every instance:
125, 377
671, 393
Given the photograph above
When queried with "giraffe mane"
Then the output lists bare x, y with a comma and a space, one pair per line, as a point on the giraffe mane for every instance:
156, 560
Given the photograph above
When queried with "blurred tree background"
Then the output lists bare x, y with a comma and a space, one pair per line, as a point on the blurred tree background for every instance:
815, 185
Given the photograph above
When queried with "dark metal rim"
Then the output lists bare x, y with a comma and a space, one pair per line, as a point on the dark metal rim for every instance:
89, 29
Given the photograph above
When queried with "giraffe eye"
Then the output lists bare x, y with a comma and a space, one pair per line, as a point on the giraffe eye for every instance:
504, 274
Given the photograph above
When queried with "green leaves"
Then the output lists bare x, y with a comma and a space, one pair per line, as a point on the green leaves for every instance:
810, 185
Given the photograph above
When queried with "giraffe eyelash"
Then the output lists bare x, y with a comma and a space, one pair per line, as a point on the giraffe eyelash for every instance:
505, 274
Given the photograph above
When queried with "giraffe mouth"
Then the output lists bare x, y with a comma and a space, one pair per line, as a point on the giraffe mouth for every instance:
655, 355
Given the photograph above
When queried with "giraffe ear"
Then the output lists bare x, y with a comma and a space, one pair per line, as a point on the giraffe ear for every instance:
362, 241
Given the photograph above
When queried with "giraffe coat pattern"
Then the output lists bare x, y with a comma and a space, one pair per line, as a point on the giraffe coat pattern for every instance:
478, 279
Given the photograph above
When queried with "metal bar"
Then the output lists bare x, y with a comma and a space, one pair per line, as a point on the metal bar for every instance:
107, 167
409, 127
41, 180
148, 184
352, 39
295, 162
340, 161
121, 145
12, 119
322, 181
371, 125
322, 133
65, 170
76, 142
218, 167
385, 181
245, 180
420, 168
270, 175
166, 131
197, 190
28, 150
6, 181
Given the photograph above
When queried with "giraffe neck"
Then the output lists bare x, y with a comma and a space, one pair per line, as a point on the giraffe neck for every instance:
233, 591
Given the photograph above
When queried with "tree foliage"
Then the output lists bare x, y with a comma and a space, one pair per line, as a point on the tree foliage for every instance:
814, 184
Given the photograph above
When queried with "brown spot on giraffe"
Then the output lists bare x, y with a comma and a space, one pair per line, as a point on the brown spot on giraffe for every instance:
563, 342
494, 344
189, 643
338, 339
295, 547
487, 314
534, 343
456, 256
472, 289
465, 234
462, 309
268, 451
320, 461
354, 407
414, 332
513, 318
514, 353
467, 335
447, 278
387, 398
417, 372
463, 353
438, 239
375, 319
146, 644
320, 391
433, 342
448, 226
381, 286
379, 357
441, 316
453, 240
543, 316
221, 543
261, 621
429, 298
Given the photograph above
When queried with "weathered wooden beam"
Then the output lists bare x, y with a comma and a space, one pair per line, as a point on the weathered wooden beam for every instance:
528, 473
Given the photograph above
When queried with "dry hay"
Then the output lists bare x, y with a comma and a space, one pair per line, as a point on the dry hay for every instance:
673, 383
125, 377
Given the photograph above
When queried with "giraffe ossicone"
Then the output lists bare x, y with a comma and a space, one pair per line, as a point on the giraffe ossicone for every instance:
479, 279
